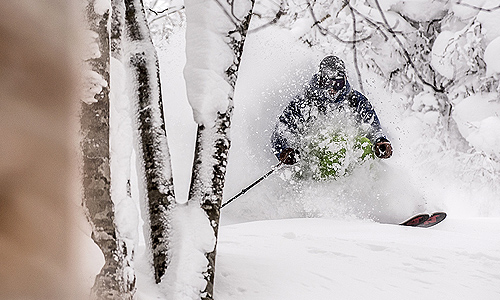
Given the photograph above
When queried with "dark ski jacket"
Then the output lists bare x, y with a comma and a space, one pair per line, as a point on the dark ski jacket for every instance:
304, 110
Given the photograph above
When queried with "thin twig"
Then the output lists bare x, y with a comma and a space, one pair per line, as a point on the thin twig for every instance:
371, 22
477, 7
232, 11
281, 12
160, 15
227, 13
406, 54
355, 50
325, 31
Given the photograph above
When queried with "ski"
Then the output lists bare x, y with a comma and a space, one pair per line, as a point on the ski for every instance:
425, 220
416, 220
433, 219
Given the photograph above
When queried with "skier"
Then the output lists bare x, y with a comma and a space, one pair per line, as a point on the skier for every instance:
327, 91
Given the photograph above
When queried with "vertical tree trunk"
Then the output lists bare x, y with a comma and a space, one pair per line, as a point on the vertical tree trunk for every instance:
152, 139
117, 28
121, 147
212, 147
110, 283
38, 227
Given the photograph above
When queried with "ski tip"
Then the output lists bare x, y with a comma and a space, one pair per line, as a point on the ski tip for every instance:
416, 220
433, 219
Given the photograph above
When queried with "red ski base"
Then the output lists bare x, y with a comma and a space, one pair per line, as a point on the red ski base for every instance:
425, 220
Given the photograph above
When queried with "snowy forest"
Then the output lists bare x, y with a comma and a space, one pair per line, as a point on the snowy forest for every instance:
177, 102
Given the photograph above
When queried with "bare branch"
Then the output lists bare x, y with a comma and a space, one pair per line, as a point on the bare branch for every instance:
281, 12
405, 52
231, 15
166, 10
478, 7
355, 50
345, 3
155, 12
165, 13
231, 2
325, 31
370, 22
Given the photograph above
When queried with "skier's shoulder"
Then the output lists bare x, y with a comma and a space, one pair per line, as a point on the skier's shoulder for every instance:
293, 109
313, 84
306, 98
312, 91
356, 97
353, 92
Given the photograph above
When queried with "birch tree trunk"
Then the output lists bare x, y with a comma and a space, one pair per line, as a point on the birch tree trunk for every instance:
111, 282
155, 168
121, 149
211, 150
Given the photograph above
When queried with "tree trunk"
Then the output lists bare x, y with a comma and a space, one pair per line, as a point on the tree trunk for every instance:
111, 282
39, 231
212, 147
154, 158
121, 146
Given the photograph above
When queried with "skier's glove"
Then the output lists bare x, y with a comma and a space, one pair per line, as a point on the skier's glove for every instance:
383, 148
289, 156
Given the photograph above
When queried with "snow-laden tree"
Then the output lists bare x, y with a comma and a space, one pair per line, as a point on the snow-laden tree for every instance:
122, 57
155, 170
123, 49
114, 281
214, 51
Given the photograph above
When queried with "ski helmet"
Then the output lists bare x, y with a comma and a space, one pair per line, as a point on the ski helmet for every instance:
332, 74
333, 64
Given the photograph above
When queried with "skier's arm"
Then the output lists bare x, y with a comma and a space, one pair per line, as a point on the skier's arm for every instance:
281, 140
290, 125
366, 114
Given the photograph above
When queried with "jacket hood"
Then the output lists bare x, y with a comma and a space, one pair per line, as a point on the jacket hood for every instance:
332, 67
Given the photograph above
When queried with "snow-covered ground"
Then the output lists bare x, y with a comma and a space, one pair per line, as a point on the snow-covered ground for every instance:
353, 259
328, 240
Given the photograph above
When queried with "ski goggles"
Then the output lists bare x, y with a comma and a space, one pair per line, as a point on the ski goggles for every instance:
335, 83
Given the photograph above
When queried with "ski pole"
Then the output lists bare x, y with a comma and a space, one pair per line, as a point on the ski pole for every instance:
274, 168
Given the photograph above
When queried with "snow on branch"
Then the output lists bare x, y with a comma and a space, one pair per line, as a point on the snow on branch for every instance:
208, 56
354, 48
325, 31
405, 52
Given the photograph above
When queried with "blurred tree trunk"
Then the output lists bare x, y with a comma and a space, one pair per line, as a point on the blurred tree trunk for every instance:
39, 220
155, 169
112, 282
211, 150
